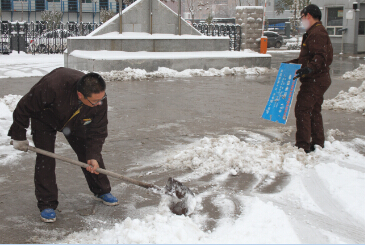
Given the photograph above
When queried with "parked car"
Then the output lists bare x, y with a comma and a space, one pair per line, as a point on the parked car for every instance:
273, 39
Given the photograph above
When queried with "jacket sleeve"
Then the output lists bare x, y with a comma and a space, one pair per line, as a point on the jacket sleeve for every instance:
318, 48
97, 131
36, 100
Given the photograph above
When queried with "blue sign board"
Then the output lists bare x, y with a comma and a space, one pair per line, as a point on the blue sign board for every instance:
278, 106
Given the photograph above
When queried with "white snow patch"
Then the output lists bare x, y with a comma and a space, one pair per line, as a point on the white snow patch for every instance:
163, 72
227, 152
352, 101
7, 153
358, 73
256, 216
346, 185
331, 133
27, 65
162, 228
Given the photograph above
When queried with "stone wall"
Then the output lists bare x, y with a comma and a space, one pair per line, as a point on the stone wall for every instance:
250, 19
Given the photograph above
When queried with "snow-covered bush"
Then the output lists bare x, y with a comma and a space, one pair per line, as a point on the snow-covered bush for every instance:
293, 46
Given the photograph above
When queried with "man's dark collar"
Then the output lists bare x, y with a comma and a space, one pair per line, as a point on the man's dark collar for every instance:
74, 100
318, 23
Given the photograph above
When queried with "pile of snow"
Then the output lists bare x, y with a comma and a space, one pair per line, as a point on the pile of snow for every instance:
165, 228
163, 72
7, 106
352, 101
260, 220
358, 73
227, 153
331, 133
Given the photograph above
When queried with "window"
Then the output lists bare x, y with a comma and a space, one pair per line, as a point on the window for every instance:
72, 5
39, 5
6, 5
334, 20
86, 1
51, 1
103, 4
362, 27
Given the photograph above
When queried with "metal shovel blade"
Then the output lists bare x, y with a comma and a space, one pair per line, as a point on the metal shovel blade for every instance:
180, 205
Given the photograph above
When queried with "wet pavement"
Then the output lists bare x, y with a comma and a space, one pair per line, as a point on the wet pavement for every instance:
146, 117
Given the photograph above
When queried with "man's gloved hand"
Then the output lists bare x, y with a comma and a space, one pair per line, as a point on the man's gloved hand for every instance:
302, 71
21, 145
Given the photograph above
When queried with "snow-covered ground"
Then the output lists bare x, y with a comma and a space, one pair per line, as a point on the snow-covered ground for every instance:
25, 65
323, 202
354, 99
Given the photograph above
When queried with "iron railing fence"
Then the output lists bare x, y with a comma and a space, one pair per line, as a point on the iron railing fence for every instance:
52, 38
233, 31
40, 37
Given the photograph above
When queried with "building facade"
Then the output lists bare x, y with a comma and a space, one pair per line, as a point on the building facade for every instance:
340, 14
30, 10
336, 16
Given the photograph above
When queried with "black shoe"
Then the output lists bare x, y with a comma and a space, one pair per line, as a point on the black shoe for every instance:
306, 151
313, 148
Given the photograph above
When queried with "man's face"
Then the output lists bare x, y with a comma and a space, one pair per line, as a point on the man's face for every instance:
305, 21
93, 100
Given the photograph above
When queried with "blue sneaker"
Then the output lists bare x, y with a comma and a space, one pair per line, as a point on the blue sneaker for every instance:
48, 215
108, 199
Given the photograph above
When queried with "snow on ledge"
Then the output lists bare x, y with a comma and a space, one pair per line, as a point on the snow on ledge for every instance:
145, 35
122, 55
163, 72
249, 7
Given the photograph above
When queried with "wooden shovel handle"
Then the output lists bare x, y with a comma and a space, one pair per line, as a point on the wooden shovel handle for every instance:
99, 170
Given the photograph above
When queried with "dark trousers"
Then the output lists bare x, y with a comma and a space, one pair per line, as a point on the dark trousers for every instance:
308, 115
46, 190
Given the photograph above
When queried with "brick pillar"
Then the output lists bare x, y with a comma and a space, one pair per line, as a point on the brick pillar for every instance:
250, 20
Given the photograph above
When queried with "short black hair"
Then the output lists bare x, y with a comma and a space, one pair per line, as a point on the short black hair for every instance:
91, 83
313, 10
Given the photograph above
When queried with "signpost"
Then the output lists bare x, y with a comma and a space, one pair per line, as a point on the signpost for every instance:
278, 106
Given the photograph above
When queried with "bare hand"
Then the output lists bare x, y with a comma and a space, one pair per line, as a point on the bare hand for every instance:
93, 166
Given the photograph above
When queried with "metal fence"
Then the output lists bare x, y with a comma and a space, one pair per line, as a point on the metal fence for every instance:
233, 31
40, 37
52, 38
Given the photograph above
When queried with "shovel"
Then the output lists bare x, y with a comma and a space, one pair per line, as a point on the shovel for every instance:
183, 198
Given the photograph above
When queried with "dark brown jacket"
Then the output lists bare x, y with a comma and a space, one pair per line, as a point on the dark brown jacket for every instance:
53, 101
316, 53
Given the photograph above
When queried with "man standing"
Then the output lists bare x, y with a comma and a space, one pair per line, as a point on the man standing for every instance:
315, 56
71, 102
